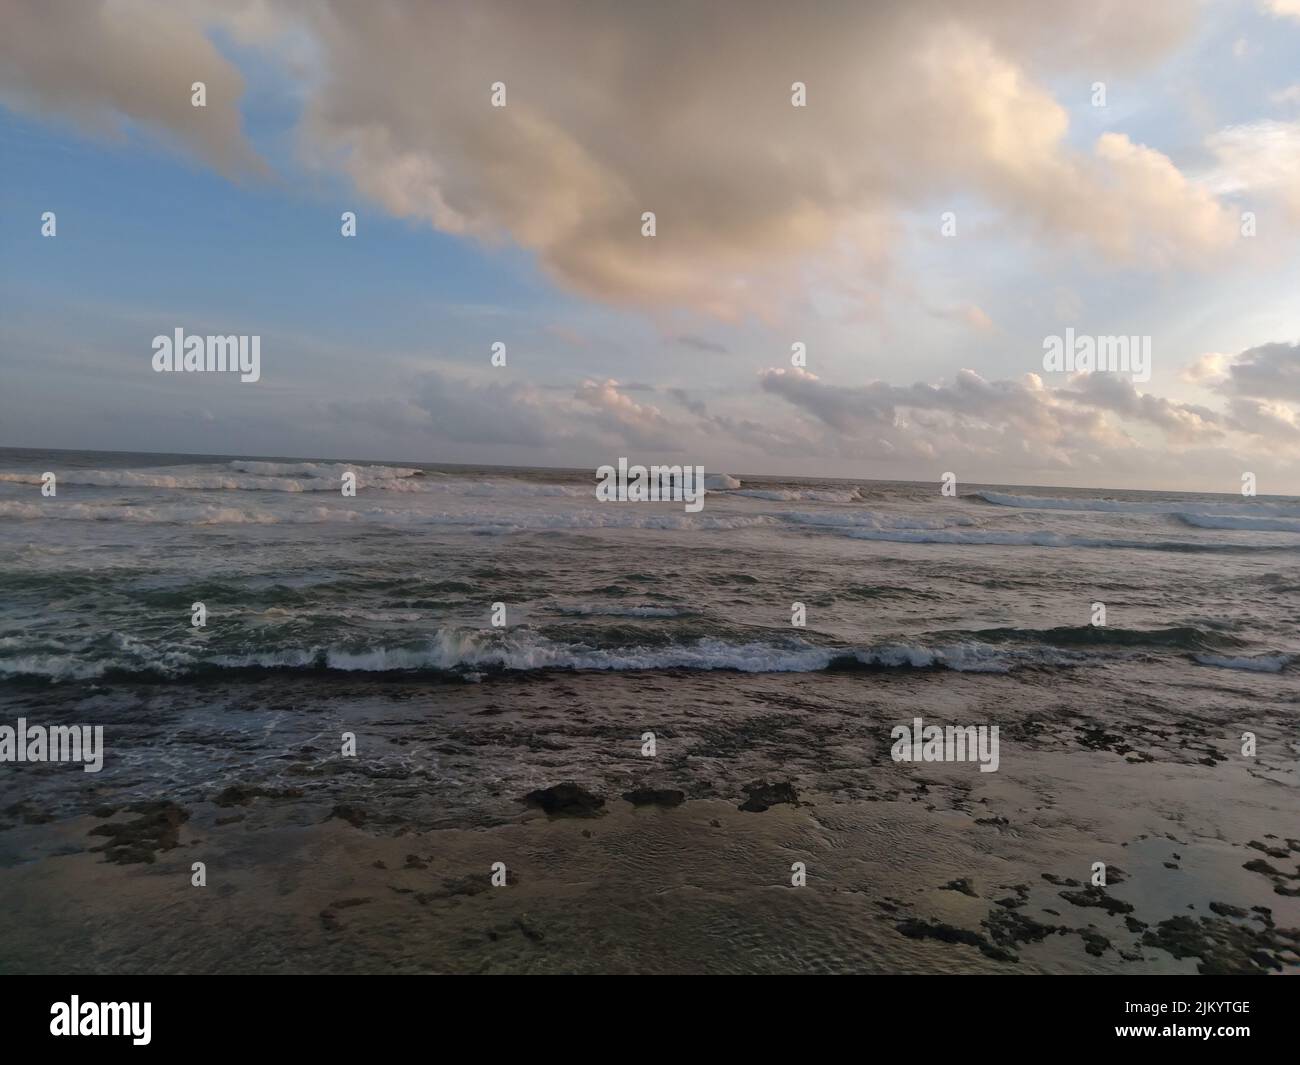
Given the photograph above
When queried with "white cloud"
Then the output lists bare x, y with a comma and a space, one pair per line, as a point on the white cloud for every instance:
678, 108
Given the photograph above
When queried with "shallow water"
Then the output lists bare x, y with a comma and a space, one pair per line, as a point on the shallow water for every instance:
373, 616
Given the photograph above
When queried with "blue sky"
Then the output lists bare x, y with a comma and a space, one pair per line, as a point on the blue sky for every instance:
776, 225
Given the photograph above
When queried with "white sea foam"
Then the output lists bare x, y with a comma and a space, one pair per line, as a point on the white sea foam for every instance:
461, 650
797, 495
485, 521
873, 520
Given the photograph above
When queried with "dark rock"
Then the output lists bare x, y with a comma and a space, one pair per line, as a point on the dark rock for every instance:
1097, 897
963, 885
565, 800
1007, 929
1094, 942
1224, 946
914, 928
655, 797
528, 930
763, 796
157, 828
346, 811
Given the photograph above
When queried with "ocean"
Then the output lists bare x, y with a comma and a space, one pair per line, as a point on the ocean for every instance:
483, 633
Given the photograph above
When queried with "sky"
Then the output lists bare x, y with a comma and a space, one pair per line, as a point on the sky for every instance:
964, 180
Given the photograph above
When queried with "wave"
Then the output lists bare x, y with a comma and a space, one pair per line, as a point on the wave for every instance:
1179, 637
248, 476
331, 470
475, 521
589, 610
1214, 521
872, 520
1119, 506
797, 495
1254, 664
1003, 538
466, 653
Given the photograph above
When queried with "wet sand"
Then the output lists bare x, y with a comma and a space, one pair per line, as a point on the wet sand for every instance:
318, 863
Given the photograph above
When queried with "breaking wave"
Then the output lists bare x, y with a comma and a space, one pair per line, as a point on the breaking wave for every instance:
1251, 663
466, 652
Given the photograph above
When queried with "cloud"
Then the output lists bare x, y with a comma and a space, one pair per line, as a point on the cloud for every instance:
1286, 97
1283, 8
1274, 421
466, 410
700, 344
99, 63
967, 314
613, 409
1118, 394
1259, 158
1208, 369
1001, 420
1269, 372
908, 103
678, 108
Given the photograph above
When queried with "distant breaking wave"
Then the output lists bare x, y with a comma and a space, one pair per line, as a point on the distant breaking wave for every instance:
332, 470
300, 477
794, 495
1211, 521
1042, 538
475, 521
1120, 506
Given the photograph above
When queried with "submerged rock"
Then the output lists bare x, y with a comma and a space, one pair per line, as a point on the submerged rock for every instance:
243, 794
157, 828
655, 797
763, 795
353, 815
565, 800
